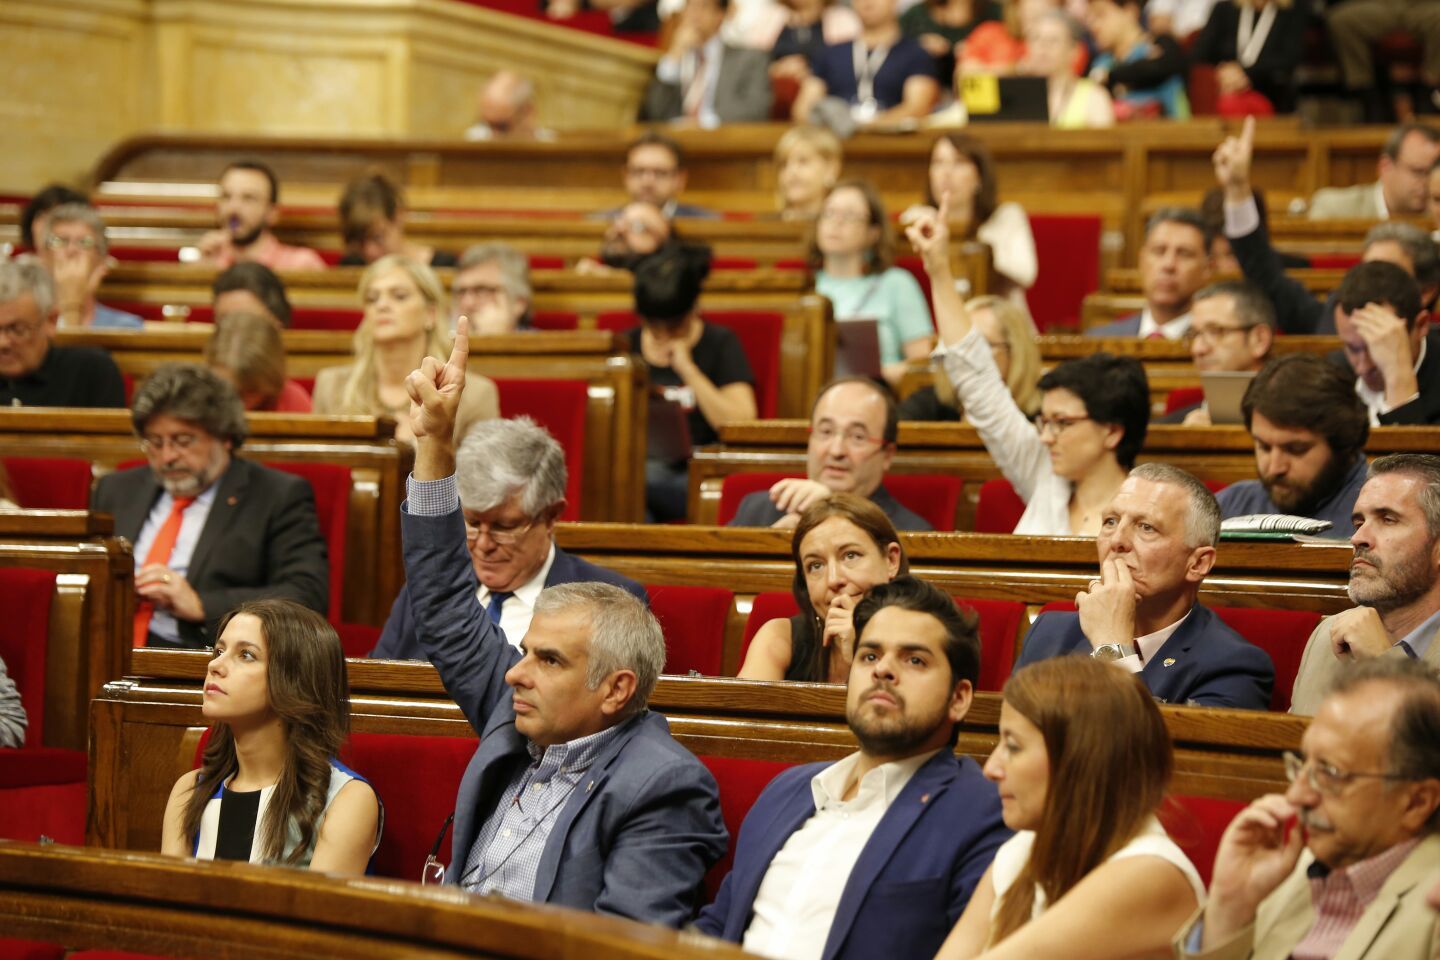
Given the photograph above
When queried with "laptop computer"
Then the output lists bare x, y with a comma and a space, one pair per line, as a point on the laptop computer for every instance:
990, 99
1223, 392
857, 348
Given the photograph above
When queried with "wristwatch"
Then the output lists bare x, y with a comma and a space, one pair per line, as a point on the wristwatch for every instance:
1110, 652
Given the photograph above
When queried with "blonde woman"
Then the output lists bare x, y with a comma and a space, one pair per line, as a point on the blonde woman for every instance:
404, 323
807, 165
1011, 336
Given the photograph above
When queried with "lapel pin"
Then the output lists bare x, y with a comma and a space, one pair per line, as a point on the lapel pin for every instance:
232, 500
924, 798
589, 786
1169, 661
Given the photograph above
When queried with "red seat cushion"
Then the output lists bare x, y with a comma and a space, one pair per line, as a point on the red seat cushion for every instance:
31, 950
25, 597
999, 631
556, 320
1333, 261
693, 619
49, 483
54, 810
933, 496
41, 767
766, 607
1183, 397
323, 318
331, 484
1067, 250
741, 782
1196, 825
560, 407
999, 508
738, 486
1281, 634
357, 639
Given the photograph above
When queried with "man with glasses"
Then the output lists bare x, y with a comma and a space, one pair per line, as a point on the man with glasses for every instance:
852, 441
492, 288
1394, 580
1339, 865
211, 530
512, 476
655, 173
1232, 327
78, 258
33, 371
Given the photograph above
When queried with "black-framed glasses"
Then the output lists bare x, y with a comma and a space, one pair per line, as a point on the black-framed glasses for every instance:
1057, 424
1326, 778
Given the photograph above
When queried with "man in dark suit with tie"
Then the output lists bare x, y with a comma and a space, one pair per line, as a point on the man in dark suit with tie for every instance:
1157, 544
210, 529
512, 477
1174, 265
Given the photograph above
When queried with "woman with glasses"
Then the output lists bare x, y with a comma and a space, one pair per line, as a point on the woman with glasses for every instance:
851, 251
843, 546
269, 789
1082, 765
404, 323
1093, 411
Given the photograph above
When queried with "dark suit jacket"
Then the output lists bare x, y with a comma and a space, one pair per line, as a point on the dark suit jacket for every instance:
742, 90
1273, 72
1424, 409
1204, 663
914, 876
399, 642
1124, 327
637, 839
1296, 309
261, 540
758, 510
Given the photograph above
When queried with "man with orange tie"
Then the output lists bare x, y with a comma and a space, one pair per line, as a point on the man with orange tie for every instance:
210, 530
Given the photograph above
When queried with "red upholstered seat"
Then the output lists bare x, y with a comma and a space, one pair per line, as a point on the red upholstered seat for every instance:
559, 406
556, 320
25, 597
331, 484
1067, 249
31, 950
1281, 634
741, 782
1196, 825
999, 508
1183, 397
693, 619
357, 639
766, 607
326, 318
1333, 261
933, 496
738, 486
49, 483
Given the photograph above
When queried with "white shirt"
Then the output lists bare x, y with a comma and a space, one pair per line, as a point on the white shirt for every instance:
681, 71
1149, 645
1375, 400
1172, 330
796, 903
192, 522
519, 609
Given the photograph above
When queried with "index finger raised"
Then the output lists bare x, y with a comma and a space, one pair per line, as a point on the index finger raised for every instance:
460, 350
1247, 133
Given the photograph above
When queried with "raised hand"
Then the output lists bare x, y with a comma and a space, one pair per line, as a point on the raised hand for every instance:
436, 387
929, 233
1232, 160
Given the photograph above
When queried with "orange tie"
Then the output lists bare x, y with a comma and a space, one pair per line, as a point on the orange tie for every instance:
160, 552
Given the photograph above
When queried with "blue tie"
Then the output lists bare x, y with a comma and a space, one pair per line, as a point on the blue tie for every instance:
497, 600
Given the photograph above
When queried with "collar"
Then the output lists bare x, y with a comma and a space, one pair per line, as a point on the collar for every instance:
1150, 644
527, 593
1375, 401
1172, 330
1419, 639
1356, 474
1364, 878
576, 755
881, 785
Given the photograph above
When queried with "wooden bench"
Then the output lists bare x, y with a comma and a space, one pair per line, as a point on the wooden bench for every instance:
1123, 281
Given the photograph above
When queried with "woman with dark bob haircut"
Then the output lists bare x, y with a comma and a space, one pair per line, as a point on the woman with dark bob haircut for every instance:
1093, 411
1082, 765
269, 789
842, 546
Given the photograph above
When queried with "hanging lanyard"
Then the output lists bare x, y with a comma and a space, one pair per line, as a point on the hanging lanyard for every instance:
1252, 36
867, 65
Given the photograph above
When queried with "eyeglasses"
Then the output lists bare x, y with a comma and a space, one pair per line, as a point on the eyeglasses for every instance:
1057, 424
506, 535
18, 330
1325, 778
56, 242
478, 290
855, 438
180, 443
1213, 334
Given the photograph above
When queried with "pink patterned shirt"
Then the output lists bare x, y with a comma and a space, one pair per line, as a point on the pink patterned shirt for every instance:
1339, 897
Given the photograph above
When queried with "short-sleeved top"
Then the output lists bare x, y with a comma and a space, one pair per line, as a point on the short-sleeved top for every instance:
893, 298
719, 356
67, 377
1152, 841
230, 828
836, 66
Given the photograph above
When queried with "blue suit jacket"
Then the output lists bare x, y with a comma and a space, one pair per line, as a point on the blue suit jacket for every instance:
636, 839
1204, 663
1124, 327
914, 876
399, 641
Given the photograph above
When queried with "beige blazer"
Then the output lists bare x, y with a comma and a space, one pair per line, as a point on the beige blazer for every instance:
480, 401
1346, 203
1398, 924
1319, 668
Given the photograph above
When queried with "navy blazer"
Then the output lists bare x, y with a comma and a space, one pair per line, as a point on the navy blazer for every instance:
638, 837
913, 878
1204, 663
399, 642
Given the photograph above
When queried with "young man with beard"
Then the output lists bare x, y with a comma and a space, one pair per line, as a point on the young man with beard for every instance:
247, 210
1309, 429
875, 855
1394, 579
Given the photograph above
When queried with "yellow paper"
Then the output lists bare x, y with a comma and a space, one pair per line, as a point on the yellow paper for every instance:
981, 93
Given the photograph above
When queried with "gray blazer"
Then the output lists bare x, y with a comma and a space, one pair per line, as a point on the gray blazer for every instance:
638, 837
1346, 203
742, 90
1320, 668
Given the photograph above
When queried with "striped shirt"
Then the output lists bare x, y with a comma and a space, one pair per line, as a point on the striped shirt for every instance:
1340, 896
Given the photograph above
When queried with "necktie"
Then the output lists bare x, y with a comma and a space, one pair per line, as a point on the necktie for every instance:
497, 600
160, 552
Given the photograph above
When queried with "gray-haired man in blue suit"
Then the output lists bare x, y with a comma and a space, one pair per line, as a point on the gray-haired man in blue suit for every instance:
577, 795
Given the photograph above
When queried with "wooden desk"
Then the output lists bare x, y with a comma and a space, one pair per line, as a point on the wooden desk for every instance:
1123, 281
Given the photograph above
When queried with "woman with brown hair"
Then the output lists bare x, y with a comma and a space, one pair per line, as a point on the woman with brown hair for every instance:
269, 789
1082, 764
372, 223
843, 546
247, 351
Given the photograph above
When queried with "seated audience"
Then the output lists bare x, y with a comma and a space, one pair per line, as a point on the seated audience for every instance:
404, 323
882, 77
1401, 190
1010, 334
704, 81
1076, 103
626, 16
269, 788
942, 26
1394, 579
655, 174
843, 545
76, 253
1339, 865
1146, 74
796, 33
1222, 259
875, 855
249, 287
1178, 18
699, 365
1255, 47
211, 529
853, 426
1157, 545
505, 110
492, 287
1093, 411
851, 250
1174, 264
245, 349
998, 47
372, 224
574, 700
511, 477
36, 213
1082, 764
1232, 328
1356, 27
1309, 430
1386, 338
33, 371
807, 165
12, 712
248, 210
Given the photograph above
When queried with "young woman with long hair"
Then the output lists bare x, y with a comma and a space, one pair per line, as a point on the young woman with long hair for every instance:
269, 789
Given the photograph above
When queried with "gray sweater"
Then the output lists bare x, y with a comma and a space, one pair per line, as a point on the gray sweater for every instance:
12, 714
